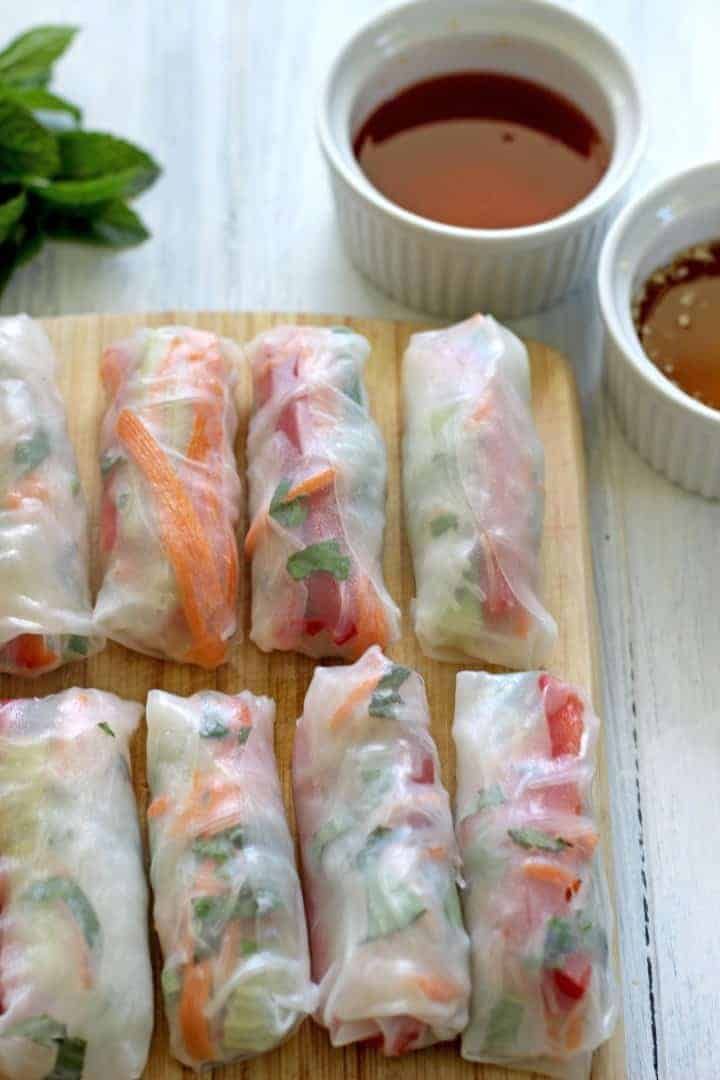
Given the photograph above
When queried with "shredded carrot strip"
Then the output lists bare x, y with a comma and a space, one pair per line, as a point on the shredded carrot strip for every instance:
196, 987
550, 873
159, 806
184, 540
357, 695
370, 618
199, 445
317, 482
575, 1029
257, 528
438, 988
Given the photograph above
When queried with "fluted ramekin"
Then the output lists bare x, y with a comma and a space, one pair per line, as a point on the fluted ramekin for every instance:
676, 434
446, 270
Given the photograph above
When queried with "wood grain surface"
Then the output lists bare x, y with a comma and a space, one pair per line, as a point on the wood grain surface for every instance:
568, 592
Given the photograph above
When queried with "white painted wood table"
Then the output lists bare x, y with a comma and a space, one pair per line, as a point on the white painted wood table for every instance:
224, 92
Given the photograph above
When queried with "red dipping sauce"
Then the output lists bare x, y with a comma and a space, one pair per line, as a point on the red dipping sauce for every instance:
482, 150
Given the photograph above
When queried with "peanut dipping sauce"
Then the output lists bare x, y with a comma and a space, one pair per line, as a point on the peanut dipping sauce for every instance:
482, 150
677, 318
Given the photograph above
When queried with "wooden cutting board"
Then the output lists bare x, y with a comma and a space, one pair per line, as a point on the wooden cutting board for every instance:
568, 591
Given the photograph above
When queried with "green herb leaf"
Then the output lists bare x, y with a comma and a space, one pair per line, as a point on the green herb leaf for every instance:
244, 734
29, 58
383, 703
451, 907
394, 678
503, 1025
104, 726
213, 725
536, 838
390, 907
210, 915
109, 460
442, 523
96, 168
10, 213
373, 845
561, 939
54, 889
171, 980
385, 697
113, 225
37, 99
289, 514
354, 390
77, 645
325, 555
220, 847
489, 797
29, 453
27, 149
255, 902
24, 245
328, 832
70, 1060
249, 947
43, 1030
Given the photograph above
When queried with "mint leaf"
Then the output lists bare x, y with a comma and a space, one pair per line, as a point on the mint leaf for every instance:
109, 460
390, 907
374, 844
451, 907
325, 555
394, 678
42, 1030
220, 847
213, 727
171, 980
70, 1060
503, 1025
244, 734
104, 726
29, 453
27, 149
54, 889
442, 523
536, 838
29, 58
289, 514
328, 832
37, 99
24, 245
96, 168
561, 939
113, 225
383, 703
385, 697
10, 213
77, 645
489, 797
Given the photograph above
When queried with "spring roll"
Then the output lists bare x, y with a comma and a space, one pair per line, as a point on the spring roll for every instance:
473, 479
77, 998
45, 606
537, 905
228, 905
380, 861
317, 473
171, 495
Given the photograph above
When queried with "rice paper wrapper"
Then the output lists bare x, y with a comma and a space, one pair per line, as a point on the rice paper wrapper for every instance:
536, 899
77, 982
228, 905
380, 862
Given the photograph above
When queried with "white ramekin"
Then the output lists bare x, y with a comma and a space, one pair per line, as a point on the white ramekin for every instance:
677, 435
450, 271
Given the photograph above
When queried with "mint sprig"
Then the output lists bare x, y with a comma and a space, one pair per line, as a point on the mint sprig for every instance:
58, 182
